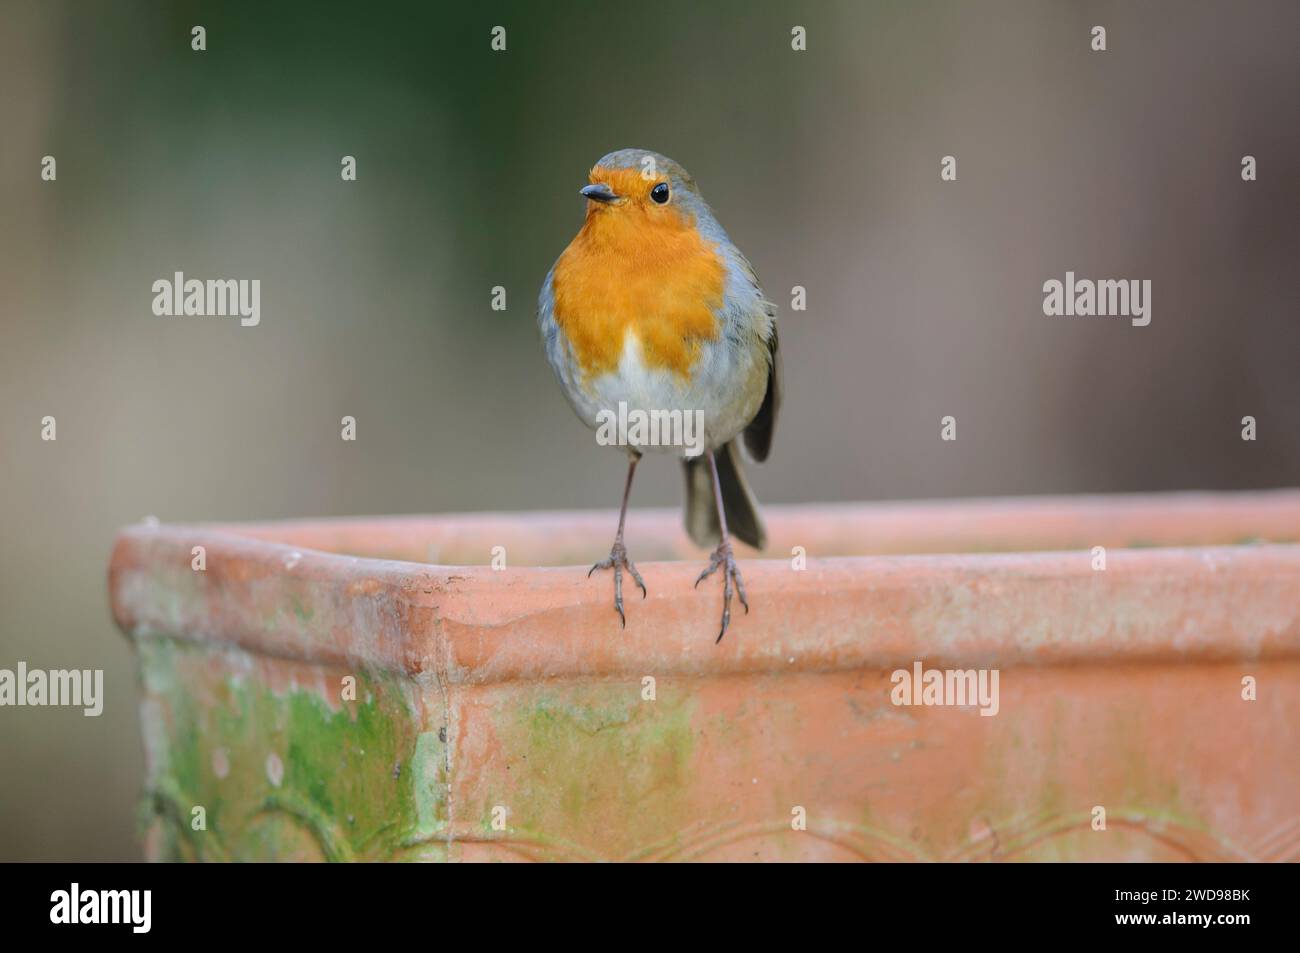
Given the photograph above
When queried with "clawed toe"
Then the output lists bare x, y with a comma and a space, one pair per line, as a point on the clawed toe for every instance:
724, 558
618, 561
714, 562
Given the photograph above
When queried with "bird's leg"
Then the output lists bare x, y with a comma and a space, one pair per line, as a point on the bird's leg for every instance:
618, 560
723, 557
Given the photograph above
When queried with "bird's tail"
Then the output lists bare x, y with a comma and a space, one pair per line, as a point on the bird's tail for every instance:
743, 521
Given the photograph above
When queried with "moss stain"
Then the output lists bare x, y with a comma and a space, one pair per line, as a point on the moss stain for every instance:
618, 763
337, 796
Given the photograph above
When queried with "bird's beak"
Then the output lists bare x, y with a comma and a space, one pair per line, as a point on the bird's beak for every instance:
600, 192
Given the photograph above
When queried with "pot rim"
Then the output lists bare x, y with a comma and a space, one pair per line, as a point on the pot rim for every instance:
473, 624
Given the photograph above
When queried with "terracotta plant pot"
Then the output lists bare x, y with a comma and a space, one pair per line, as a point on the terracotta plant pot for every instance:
500, 713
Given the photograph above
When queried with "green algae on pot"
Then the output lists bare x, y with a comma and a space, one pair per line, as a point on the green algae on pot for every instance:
505, 715
574, 756
283, 770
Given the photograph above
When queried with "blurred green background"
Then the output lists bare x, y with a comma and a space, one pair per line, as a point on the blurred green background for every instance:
924, 298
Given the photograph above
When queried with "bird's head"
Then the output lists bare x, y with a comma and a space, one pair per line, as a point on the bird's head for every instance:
636, 187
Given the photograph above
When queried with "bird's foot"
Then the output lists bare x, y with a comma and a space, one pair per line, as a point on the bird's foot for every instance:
618, 561
725, 559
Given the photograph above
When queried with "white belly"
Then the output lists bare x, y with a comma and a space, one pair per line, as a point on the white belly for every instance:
654, 410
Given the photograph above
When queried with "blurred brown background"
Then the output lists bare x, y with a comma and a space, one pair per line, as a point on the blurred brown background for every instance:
924, 298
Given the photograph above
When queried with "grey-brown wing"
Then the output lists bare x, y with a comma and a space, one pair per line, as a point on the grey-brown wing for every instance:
758, 435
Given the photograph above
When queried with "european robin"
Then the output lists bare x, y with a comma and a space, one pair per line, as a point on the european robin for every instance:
652, 314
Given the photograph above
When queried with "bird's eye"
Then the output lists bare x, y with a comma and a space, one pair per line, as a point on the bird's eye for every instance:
660, 193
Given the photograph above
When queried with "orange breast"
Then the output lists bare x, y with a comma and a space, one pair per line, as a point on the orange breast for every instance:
641, 271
